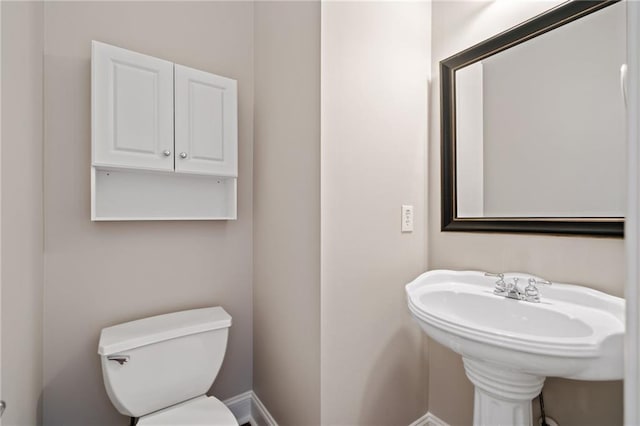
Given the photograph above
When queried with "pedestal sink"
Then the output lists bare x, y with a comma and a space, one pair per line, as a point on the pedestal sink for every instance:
510, 346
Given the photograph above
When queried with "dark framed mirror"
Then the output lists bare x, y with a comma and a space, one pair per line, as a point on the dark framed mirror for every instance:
533, 126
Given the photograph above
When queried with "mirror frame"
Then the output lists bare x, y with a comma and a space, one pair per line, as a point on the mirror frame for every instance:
547, 21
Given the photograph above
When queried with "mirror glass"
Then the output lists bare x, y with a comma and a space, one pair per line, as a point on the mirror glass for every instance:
539, 127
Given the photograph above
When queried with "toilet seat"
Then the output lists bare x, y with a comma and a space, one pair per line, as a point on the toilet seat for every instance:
200, 411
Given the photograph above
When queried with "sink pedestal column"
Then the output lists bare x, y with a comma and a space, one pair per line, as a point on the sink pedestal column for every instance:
502, 397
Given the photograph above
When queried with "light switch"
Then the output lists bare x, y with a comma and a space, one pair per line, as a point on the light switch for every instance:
407, 218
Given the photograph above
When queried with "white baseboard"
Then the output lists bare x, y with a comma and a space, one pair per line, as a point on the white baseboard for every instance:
240, 406
429, 420
262, 416
248, 408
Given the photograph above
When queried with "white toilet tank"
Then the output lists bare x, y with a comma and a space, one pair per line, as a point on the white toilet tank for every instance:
156, 362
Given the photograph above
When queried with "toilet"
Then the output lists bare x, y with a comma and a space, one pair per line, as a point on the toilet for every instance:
157, 370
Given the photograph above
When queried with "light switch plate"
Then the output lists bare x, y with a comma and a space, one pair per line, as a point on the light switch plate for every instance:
407, 218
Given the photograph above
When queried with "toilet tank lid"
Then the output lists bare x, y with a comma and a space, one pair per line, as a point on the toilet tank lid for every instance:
133, 334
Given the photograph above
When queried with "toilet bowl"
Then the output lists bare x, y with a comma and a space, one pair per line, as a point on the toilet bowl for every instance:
159, 369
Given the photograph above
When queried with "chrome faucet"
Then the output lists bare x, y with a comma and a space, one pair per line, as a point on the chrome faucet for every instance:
511, 290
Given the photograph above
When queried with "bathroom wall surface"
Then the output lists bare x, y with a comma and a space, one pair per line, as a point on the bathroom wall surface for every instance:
286, 201
375, 70
101, 274
22, 223
594, 262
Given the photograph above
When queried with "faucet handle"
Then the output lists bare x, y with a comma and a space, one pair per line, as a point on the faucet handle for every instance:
499, 276
501, 286
533, 282
489, 274
531, 292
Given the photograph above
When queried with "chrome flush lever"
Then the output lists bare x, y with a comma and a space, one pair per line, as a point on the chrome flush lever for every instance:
120, 359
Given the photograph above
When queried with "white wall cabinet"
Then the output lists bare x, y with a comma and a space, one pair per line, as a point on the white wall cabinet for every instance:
164, 139
132, 109
206, 131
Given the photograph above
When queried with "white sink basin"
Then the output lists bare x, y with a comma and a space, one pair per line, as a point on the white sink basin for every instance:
509, 346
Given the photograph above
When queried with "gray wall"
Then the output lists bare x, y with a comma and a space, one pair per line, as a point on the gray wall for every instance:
598, 263
99, 274
21, 225
375, 70
287, 211
334, 343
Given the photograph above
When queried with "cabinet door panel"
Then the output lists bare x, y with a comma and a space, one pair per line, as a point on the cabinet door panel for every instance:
132, 109
206, 123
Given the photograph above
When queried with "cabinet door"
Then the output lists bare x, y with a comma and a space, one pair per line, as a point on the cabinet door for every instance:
206, 123
132, 109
